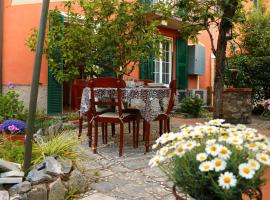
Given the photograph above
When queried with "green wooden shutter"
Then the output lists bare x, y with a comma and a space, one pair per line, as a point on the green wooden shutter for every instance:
181, 63
55, 89
108, 72
147, 67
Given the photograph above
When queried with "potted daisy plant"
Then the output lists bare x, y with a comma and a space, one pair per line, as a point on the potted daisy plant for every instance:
214, 160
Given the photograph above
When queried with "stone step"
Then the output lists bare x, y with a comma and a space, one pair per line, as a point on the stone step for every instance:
10, 180
12, 174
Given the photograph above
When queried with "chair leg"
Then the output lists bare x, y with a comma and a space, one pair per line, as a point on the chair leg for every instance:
137, 132
160, 127
80, 126
168, 125
165, 126
95, 138
103, 132
113, 129
121, 140
143, 130
106, 133
134, 134
89, 130
129, 127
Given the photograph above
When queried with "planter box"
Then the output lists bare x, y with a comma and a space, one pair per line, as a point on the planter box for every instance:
14, 137
237, 105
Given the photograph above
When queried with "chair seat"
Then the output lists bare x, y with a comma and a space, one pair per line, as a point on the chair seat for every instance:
114, 115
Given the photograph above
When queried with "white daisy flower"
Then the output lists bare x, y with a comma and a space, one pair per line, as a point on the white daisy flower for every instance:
163, 151
246, 171
240, 127
155, 161
201, 157
261, 145
206, 166
216, 122
189, 145
252, 146
224, 153
211, 129
224, 138
263, 158
179, 150
219, 164
210, 142
154, 146
235, 140
227, 180
213, 149
254, 164
236, 134
226, 125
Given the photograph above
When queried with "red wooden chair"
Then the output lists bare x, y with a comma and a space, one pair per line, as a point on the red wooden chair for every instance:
111, 117
164, 118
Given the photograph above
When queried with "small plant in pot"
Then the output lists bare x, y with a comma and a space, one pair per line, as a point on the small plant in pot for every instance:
214, 161
13, 130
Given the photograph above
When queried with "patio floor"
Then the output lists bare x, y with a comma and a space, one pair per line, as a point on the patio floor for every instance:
129, 177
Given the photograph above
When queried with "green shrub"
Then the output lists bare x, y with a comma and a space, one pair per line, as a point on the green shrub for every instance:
192, 106
10, 106
63, 145
12, 151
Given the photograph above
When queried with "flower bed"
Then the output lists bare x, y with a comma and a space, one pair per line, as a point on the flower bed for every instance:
214, 160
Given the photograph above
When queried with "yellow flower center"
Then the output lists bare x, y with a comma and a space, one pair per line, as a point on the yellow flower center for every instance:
246, 170
189, 144
180, 149
235, 141
253, 164
206, 167
223, 151
218, 163
264, 158
213, 148
225, 136
227, 179
252, 145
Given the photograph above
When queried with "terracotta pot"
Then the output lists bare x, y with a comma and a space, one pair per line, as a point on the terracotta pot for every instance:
14, 137
255, 194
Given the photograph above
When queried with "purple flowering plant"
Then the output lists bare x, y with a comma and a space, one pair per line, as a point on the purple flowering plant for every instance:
13, 126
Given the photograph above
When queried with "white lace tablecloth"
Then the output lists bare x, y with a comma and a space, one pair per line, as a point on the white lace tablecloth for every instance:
150, 101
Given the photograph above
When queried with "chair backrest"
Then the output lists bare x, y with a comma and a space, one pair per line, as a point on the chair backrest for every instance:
146, 81
77, 89
113, 83
172, 96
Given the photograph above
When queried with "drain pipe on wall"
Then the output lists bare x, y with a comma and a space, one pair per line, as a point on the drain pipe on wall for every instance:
1, 44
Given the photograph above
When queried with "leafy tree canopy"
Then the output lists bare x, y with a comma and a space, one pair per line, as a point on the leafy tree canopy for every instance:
103, 34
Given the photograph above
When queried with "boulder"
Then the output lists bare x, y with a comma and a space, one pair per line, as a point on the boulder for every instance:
38, 192
53, 167
10, 180
77, 181
9, 166
37, 176
20, 188
66, 165
57, 190
4, 195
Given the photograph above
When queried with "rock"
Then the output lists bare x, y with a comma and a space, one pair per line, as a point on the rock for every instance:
103, 187
10, 180
57, 190
38, 192
9, 166
4, 195
12, 174
53, 167
57, 127
98, 196
77, 181
37, 176
66, 165
38, 136
20, 188
51, 130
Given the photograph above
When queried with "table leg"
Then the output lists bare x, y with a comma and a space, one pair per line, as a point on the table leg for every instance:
147, 135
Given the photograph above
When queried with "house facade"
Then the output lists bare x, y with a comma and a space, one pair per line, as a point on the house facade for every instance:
192, 65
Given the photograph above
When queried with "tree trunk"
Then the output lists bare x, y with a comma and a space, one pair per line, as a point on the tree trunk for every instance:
224, 28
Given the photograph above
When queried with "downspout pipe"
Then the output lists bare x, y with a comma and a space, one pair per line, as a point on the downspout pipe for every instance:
1, 44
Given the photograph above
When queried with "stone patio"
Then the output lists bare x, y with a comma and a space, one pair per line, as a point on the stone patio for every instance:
129, 177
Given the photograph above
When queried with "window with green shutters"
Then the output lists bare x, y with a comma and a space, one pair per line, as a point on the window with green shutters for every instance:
55, 89
147, 67
181, 63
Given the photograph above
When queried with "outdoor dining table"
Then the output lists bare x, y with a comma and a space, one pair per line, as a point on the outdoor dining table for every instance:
150, 101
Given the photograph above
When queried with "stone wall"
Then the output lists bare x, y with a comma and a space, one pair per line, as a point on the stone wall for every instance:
237, 105
24, 92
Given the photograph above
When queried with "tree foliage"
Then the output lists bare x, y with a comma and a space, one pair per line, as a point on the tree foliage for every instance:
252, 64
103, 34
